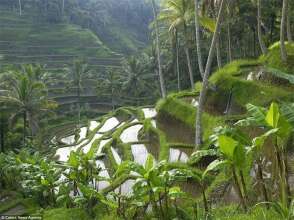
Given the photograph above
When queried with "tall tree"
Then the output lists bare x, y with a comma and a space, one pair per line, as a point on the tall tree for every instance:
197, 35
282, 30
78, 73
177, 14
20, 7
289, 33
25, 93
161, 79
205, 84
259, 32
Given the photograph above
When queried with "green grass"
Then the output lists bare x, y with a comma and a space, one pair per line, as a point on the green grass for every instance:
233, 213
65, 214
232, 77
186, 114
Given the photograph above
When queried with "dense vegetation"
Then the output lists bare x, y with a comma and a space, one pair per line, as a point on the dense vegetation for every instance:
97, 121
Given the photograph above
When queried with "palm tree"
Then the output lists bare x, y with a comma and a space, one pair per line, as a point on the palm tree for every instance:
161, 80
289, 33
197, 34
78, 73
177, 14
137, 81
26, 94
20, 7
282, 30
259, 33
110, 83
198, 124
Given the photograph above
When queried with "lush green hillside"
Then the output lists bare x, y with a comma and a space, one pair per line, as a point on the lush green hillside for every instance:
22, 40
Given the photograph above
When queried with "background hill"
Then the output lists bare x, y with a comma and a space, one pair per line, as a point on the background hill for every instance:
55, 32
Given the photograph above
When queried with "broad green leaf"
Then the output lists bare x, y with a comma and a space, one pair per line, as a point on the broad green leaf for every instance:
149, 162
258, 142
240, 156
287, 110
256, 116
176, 192
285, 127
215, 165
198, 155
72, 160
227, 145
273, 115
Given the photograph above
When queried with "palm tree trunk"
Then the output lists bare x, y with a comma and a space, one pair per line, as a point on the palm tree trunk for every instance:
197, 33
178, 62
187, 52
282, 31
79, 105
2, 136
229, 44
161, 80
20, 7
218, 53
261, 43
24, 127
198, 124
62, 10
289, 33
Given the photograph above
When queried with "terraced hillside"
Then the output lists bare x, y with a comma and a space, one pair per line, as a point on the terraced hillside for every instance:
24, 40
167, 131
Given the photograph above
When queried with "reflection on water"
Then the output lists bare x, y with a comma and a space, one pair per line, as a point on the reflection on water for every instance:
109, 124
149, 112
64, 152
93, 125
83, 133
116, 156
131, 134
140, 153
177, 155
104, 173
89, 145
68, 140
125, 188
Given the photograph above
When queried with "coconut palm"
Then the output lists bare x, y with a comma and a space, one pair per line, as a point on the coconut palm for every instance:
197, 34
177, 14
161, 80
202, 97
137, 73
26, 94
282, 30
20, 7
110, 83
259, 32
79, 71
